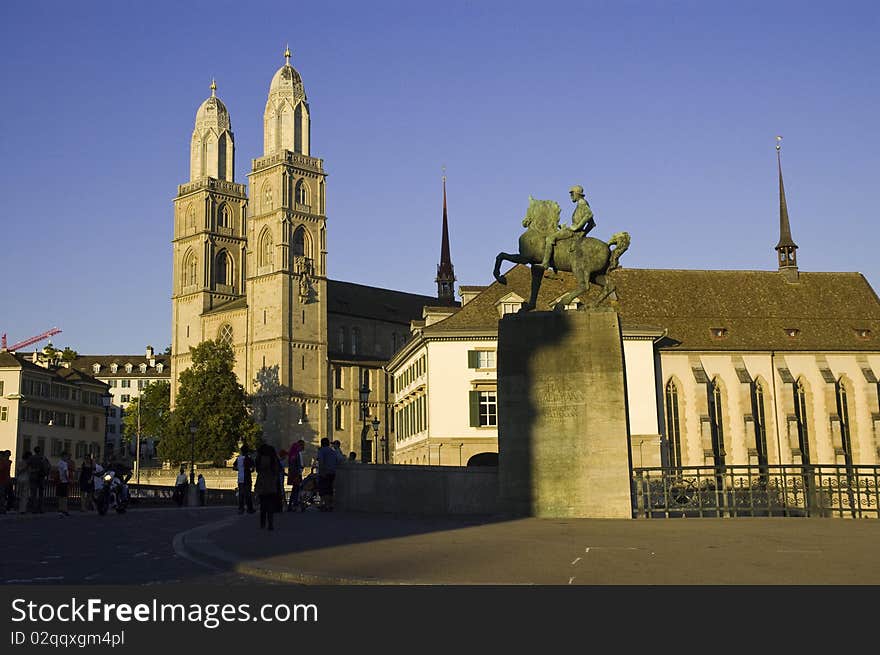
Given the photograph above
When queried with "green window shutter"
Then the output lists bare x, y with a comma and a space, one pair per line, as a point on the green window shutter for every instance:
473, 359
474, 397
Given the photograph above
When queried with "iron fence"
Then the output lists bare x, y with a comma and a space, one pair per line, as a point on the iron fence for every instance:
825, 490
146, 495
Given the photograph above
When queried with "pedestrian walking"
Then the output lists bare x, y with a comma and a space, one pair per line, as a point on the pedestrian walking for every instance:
267, 485
202, 487
87, 484
38, 472
245, 467
62, 489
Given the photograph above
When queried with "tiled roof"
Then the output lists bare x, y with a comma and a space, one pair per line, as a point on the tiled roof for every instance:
84, 363
755, 308
231, 305
375, 303
15, 360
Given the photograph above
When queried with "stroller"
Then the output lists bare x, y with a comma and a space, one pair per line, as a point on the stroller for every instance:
308, 495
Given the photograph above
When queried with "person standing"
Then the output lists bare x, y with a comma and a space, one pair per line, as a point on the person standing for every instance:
267, 484
22, 483
328, 459
86, 484
5, 480
245, 467
62, 489
203, 488
38, 471
180, 487
295, 467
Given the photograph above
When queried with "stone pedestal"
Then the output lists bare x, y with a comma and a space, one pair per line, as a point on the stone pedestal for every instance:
562, 435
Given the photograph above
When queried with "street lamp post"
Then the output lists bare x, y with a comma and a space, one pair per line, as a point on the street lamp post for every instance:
193, 426
106, 400
137, 454
375, 424
191, 493
365, 399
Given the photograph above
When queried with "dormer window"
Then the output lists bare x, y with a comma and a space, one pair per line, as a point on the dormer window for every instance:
718, 332
96, 368
792, 332
863, 333
509, 304
143, 368
128, 368
114, 367
159, 367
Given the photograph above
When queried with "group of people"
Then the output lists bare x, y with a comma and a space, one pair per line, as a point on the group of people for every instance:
32, 478
269, 466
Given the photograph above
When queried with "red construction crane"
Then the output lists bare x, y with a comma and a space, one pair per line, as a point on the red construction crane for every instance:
28, 342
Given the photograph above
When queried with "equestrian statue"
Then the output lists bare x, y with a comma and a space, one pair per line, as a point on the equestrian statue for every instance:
567, 248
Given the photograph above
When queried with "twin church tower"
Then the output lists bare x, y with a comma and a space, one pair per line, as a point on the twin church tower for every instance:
252, 271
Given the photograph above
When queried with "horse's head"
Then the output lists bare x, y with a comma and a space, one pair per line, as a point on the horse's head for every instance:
542, 215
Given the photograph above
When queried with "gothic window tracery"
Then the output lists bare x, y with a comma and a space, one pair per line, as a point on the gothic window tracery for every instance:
224, 334
265, 251
302, 194
223, 217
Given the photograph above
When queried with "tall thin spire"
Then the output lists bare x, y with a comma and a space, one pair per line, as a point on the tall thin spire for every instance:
287, 55
445, 272
786, 248
213, 88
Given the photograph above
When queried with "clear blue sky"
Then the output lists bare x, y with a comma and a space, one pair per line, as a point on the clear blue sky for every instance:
666, 113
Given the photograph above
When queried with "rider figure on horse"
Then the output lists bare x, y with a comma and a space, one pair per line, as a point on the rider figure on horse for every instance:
581, 223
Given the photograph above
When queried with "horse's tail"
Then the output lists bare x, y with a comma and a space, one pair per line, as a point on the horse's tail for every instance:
620, 242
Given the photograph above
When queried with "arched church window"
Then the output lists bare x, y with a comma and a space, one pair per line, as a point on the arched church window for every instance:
673, 425
190, 269
355, 341
843, 414
223, 274
265, 251
302, 193
800, 415
716, 422
758, 419
224, 334
267, 196
341, 342
223, 217
298, 246
190, 217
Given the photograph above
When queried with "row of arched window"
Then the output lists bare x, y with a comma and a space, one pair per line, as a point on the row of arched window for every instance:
757, 394
224, 264
224, 217
301, 195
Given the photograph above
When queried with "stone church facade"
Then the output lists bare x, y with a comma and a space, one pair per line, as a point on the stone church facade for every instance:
250, 268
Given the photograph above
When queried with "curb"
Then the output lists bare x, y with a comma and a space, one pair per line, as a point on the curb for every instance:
196, 545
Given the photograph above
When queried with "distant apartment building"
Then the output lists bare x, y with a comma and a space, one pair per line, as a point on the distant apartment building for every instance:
47, 403
126, 377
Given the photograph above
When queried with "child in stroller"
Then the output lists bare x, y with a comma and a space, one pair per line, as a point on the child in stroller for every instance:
308, 491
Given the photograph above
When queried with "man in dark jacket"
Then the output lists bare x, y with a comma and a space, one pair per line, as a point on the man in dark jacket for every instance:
38, 471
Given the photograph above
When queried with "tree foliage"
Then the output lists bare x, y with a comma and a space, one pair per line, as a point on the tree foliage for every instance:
154, 403
209, 396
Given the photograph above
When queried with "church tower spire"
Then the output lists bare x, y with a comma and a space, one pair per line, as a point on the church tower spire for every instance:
445, 272
786, 248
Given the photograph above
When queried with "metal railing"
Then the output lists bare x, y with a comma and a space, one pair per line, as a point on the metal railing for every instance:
144, 495
825, 490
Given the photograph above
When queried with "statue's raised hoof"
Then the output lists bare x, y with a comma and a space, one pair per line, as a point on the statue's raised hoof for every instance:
501, 279
526, 307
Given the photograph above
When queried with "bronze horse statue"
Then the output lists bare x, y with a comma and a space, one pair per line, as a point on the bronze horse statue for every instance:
589, 259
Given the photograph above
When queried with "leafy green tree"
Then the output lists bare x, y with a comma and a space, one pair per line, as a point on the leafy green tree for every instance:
210, 397
155, 413
69, 354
